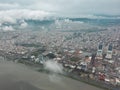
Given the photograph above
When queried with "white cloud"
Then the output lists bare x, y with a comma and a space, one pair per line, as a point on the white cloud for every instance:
7, 28
23, 24
7, 19
9, 6
11, 16
24, 13
18, 16
66, 7
77, 7
53, 66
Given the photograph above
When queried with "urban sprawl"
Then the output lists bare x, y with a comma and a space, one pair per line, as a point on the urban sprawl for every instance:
92, 55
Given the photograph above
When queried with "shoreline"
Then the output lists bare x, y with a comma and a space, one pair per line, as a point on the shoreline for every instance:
75, 77
13, 73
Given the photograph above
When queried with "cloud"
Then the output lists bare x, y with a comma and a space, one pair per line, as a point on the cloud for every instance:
4, 6
23, 24
53, 66
7, 19
24, 13
11, 16
7, 28
66, 7
21, 2
77, 7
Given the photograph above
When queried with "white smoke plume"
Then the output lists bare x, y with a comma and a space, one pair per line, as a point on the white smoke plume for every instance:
53, 66
56, 69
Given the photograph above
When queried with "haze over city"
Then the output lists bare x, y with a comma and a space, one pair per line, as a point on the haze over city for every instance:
59, 45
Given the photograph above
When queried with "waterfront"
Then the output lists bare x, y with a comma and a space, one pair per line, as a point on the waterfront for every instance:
18, 76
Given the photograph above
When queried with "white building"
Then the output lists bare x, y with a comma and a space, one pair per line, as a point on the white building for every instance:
109, 52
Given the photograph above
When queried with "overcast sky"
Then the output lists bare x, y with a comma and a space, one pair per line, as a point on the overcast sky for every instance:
66, 7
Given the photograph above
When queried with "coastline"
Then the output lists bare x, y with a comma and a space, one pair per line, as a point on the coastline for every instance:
88, 81
17, 73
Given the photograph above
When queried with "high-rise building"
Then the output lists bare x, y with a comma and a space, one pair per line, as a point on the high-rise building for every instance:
93, 59
100, 51
109, 51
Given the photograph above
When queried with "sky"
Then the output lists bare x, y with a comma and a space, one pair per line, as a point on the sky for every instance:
65, 7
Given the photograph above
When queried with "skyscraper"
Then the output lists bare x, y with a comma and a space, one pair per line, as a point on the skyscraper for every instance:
99, 51
109, 51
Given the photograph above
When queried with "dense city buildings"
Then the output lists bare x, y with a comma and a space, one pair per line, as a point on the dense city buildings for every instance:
88, 54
